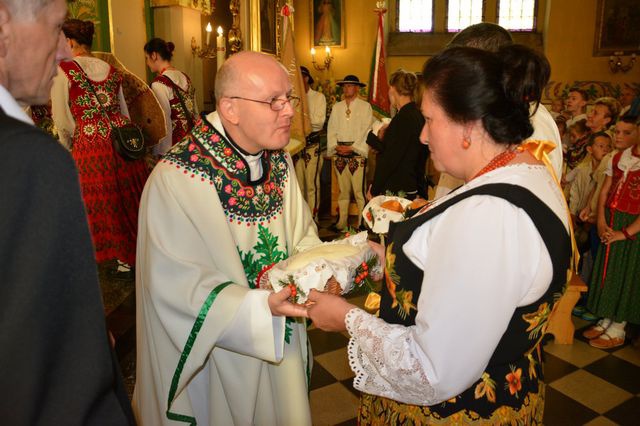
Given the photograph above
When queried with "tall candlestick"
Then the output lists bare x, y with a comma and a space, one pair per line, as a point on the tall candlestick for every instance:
221, 47
209, 29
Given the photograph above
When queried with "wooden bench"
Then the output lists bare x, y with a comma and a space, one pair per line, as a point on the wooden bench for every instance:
560, 321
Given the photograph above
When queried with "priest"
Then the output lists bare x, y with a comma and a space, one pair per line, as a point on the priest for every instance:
214, 346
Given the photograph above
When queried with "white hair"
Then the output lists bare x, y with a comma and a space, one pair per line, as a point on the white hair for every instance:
25, 9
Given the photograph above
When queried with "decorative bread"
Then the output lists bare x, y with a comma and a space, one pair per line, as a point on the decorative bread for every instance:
344, 259
393, 205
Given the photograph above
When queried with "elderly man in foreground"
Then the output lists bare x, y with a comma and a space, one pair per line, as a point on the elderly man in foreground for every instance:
56, 366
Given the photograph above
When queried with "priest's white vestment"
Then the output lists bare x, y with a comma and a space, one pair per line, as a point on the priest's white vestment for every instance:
212, 221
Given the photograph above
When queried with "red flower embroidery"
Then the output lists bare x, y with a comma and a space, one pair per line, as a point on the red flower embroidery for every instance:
227, 151
267, 188
249, 192
192, 146
513, 380
232, 201
227, 189
215, 138
239, 165
240, 192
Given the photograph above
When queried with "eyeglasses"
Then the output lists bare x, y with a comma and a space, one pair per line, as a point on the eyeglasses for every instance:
276, 104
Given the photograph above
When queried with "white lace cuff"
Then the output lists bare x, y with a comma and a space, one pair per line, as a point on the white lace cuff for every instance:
381, 356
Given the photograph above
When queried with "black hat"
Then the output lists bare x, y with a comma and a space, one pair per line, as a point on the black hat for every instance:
350, 79
304, 71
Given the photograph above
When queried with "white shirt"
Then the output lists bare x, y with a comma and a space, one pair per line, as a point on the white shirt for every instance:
317, 109
475, 275
11, 107
354, 128
546, 129
164, 95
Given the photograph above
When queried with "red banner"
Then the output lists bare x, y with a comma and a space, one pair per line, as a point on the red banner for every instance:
379, 84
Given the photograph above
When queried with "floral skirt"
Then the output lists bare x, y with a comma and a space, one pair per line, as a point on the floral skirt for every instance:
377, 410
111, 190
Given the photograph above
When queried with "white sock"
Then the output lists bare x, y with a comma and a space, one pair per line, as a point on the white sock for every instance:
604, 323
616, 329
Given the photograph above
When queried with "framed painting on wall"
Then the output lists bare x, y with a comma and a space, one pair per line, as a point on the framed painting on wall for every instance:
268, 24
617, 28
327, 23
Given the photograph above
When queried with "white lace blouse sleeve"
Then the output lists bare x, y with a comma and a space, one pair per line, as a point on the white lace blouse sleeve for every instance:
478, 268
60, 112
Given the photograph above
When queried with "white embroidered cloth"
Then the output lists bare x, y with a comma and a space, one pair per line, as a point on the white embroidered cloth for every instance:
313, 267
378, 218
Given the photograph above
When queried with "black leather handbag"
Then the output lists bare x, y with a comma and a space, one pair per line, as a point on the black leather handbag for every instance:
128, 141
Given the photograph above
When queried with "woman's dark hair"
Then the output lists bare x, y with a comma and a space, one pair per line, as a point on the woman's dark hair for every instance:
473, 84
528, 72
79, 30
161, 47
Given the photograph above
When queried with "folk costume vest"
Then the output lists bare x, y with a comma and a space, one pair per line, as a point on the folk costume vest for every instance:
90, 122
514, 369
181, 120
624, 195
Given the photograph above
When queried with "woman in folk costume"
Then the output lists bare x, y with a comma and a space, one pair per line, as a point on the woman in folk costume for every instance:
467, 296
174, 91
614, 293
86, 91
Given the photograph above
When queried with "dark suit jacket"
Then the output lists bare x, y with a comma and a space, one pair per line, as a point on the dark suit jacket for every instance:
56, 364
401, 161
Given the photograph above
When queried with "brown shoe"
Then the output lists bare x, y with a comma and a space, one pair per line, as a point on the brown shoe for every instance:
606, 342
594, 332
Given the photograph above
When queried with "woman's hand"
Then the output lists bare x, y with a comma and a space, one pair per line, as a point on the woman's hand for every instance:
611, 236
280, 306
328, 311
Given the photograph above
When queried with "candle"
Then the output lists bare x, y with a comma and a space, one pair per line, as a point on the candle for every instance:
209, 29
327, 51
221, 47
313, 54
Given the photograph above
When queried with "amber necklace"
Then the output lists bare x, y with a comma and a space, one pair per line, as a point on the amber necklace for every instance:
500, 160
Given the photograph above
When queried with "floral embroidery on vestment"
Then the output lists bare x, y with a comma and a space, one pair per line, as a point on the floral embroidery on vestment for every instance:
206, 154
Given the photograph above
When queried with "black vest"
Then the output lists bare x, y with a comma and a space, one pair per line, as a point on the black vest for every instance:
517, 356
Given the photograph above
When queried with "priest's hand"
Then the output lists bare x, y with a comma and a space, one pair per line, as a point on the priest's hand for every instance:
328, 311
280, 306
